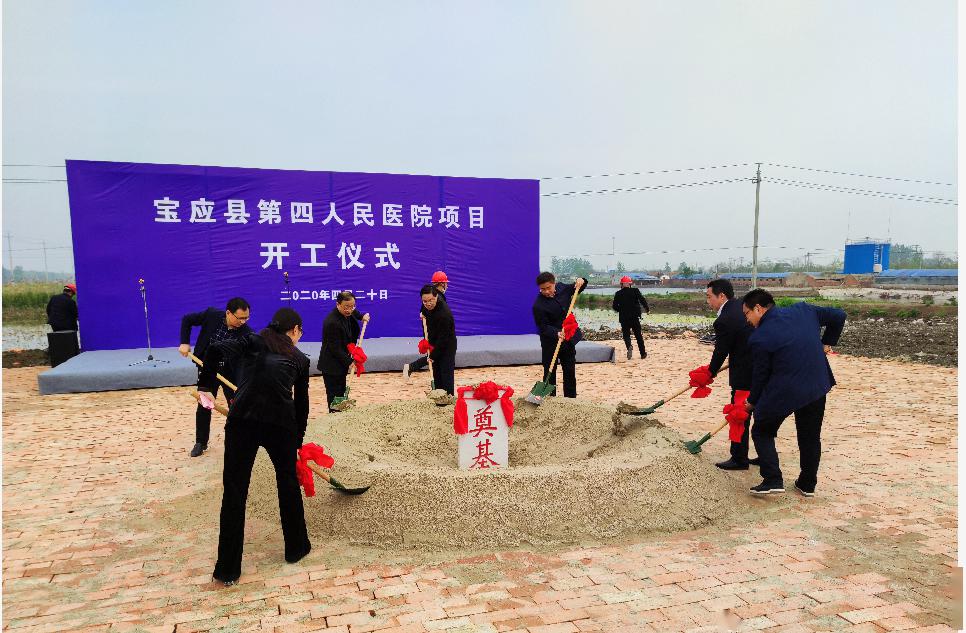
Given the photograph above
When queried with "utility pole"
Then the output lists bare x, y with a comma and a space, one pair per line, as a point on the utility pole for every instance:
46, 274
613, 251
754, 251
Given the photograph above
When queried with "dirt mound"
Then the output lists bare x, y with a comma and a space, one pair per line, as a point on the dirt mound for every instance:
571, 480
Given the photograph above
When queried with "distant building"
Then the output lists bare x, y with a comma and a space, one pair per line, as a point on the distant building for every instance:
934, 278
866, 256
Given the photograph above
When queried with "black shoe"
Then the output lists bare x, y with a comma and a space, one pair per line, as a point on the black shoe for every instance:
295, 559
755, 461
804, 492
643, 355
630, 354
731, 465
198, 449
227, 583
767, 489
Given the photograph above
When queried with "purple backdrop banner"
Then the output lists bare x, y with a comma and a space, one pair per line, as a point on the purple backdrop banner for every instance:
201, 235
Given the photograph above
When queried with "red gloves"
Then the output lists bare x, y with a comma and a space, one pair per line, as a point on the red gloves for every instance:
358, 357
425, 347
737, 416
701, 378
311, 453
570, 326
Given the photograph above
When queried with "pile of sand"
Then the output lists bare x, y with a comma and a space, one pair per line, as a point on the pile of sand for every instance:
571, 479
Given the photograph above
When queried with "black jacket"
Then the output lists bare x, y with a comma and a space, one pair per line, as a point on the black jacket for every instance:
209, 320
62, 312
549, 314
265, 385
628, 303
731, 332
442, 330
337, 332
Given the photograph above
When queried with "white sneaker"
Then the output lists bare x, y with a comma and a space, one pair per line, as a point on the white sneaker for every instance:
406, 371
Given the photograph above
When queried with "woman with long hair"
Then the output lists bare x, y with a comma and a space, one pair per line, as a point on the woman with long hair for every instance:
270, 409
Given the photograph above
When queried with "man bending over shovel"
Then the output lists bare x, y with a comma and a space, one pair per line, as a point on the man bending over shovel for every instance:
341, 327
549, 310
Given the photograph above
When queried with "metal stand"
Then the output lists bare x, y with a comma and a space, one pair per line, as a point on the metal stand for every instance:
147, 327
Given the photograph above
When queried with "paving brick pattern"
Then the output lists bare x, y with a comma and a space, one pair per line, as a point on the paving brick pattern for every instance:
88, 545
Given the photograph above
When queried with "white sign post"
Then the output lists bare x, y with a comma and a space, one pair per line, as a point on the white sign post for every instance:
487, 444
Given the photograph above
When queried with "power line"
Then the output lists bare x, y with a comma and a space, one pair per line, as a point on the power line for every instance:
861, 192
846, 173
630, 189
644, 173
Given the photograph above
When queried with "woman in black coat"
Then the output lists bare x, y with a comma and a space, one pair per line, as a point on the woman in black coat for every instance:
264, 413
442, 336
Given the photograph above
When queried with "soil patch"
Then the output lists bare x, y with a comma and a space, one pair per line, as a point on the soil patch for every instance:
571, 480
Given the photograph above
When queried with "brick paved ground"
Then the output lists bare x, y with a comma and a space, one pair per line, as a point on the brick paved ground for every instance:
88, 544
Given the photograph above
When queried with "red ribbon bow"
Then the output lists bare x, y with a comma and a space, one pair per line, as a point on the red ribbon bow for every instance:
425, 347
311, 453
701, 378
487, 392
736, 415
570, 326
358, 357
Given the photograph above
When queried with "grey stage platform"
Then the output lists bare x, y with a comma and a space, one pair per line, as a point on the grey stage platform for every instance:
111, 370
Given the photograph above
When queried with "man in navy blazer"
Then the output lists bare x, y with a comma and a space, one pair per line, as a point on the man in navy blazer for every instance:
790, 374
731, 332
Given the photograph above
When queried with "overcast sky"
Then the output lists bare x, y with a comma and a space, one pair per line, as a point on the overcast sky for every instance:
513, 90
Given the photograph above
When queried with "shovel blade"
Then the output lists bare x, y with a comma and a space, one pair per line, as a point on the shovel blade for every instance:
694, 447
335, 483
540, 391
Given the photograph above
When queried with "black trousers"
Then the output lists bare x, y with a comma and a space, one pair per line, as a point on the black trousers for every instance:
808, 426
241, 446
444, 370
739, 450
334, 386
203, 416
567, 359
633, 325
419, 364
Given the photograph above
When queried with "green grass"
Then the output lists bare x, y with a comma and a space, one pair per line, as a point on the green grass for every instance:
26, 303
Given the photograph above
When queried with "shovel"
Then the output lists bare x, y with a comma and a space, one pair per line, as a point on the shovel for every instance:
341, 403
694, 447
335, 483
629, 409
432, 380
223, 380
544, 389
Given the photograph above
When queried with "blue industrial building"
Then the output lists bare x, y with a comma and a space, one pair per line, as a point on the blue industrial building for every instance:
866, 256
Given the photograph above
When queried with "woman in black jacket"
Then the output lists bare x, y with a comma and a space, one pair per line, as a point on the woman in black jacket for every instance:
263, 413
442, 336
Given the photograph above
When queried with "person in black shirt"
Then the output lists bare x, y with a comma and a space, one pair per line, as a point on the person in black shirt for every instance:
442, 336
264, 413
628, 302
339, 328
216, 325
441, 283
62, 310
549, 312
731, 332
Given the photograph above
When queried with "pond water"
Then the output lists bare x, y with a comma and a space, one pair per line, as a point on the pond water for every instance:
646, 290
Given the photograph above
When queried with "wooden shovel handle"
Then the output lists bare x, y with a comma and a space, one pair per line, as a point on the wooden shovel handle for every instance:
426, 336
319, 471
218, 407
553, 361
223, 380
362, 333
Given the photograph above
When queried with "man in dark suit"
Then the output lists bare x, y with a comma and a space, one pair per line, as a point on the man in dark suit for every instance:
441, 283
628, 303
62, 310
340, 327
731, 332
216, 326
549, 312
790, 374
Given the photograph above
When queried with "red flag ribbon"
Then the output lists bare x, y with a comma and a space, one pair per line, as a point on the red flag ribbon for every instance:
570, 326
425, 347
700, 378
488, 392
736, 415
311, 453
358, 357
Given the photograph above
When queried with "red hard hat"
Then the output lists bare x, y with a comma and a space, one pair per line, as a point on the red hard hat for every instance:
439, 277
625, 279
71, 287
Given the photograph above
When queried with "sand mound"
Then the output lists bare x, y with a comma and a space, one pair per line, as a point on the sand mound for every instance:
571, 479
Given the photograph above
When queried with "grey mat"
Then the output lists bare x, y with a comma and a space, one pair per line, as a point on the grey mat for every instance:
110, 370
